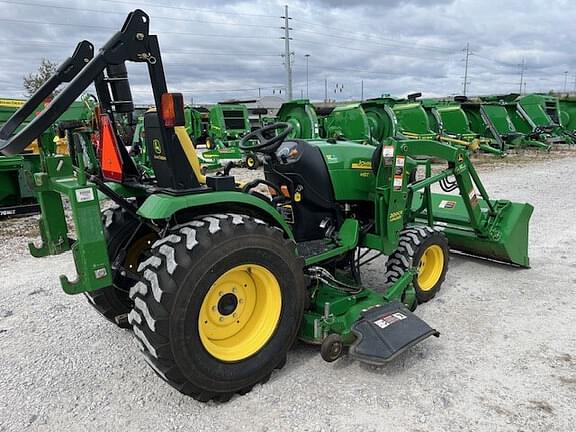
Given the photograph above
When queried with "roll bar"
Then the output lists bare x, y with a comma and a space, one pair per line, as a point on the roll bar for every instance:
132, 43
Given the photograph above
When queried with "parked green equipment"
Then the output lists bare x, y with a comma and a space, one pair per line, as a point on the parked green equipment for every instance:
330, 122
452, 124
218, 279
527, 133
301, 116
568, 112
542, 112
229, 122
16, 195
491, 121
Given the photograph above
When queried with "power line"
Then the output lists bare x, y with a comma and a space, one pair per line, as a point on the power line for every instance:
370, 36
181, 8
304, 41
407, 44
115, 28
124, 14
168, 51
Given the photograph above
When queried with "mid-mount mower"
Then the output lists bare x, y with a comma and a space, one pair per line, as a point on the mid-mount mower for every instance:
217, 279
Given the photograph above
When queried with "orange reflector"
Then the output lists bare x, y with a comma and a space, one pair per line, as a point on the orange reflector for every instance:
172, 109
285, 191
110, 159
168, 111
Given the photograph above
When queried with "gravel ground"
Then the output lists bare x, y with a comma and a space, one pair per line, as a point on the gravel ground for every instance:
506, 360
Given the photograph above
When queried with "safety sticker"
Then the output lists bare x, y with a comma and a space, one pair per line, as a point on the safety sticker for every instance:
287, 213
473, 198
398, 180
447, 204
386, 320
83, 195
400, 161
388, 151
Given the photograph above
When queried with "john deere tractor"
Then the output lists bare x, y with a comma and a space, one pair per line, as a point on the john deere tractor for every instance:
216, 278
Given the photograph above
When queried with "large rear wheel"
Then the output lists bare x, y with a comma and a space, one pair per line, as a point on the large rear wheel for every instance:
221, 304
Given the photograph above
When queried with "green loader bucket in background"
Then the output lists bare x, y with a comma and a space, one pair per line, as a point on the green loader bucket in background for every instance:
508, 228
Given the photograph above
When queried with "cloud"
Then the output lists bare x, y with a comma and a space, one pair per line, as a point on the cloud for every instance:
221, 49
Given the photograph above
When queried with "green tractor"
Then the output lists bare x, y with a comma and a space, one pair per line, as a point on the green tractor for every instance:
218, 279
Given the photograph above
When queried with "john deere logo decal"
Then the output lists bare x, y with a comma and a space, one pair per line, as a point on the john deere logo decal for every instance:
362, 164
157, 148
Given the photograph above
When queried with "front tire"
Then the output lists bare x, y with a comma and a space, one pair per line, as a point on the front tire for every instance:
221, 304
425, 249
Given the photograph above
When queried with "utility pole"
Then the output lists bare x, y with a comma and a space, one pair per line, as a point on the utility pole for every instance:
287, 54
467, 50
522, 69
325, 90
362, 92
307, 57
565, 81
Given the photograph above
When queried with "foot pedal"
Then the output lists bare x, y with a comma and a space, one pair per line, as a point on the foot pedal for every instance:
386, 331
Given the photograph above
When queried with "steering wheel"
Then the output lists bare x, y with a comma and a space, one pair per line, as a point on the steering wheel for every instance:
268, 142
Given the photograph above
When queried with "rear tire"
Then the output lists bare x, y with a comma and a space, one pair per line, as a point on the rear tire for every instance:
113, 302
187, 294
423, 248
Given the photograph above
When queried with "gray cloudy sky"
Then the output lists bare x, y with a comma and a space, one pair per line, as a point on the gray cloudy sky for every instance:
212, 49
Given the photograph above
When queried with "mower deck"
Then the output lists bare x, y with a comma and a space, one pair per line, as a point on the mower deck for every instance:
384, 332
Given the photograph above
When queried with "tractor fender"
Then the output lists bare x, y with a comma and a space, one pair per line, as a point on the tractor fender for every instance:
164, 206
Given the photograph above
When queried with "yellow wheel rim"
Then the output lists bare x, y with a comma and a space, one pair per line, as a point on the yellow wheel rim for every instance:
250, 162
240, 312
430, 267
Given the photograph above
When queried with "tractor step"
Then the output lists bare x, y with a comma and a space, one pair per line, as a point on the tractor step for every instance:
315, 247
386, 331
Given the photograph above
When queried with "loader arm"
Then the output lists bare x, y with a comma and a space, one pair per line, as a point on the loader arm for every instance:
473, 223
11, 144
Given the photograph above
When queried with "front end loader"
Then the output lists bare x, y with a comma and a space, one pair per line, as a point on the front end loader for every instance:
216, 278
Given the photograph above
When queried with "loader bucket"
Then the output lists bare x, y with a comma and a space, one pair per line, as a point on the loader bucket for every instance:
508, 228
